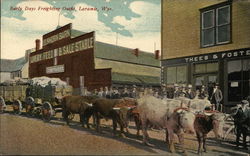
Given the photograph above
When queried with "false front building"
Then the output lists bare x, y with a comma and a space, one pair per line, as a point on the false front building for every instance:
206, 42
78, 59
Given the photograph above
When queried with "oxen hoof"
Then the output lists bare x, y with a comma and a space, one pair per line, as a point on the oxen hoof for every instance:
146, 143
172, 149
122, 135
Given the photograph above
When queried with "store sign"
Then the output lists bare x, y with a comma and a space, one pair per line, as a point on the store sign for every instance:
218, 56
56, 37
55, 69
209, 57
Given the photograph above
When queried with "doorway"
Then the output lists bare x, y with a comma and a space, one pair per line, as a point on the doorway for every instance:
208, 80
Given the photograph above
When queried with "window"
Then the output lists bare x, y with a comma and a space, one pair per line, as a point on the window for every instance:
175, 74
215, 26
238, 80
206, 68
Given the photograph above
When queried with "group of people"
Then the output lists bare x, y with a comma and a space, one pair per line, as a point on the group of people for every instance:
215, 95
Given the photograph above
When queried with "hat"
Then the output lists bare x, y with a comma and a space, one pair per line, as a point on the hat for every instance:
216, 84
202, 86
244, 102
134, 86
176, 85
190, 86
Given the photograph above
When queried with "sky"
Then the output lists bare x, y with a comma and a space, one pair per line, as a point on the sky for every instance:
129, 23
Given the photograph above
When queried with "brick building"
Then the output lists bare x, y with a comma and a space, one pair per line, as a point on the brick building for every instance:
78, 59
206, 42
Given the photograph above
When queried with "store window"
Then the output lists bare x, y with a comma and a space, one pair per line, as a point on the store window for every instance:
206, 67
238, 80
176, 74
215, 25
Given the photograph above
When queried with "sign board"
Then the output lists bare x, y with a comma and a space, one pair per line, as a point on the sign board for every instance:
55, 69
208, 57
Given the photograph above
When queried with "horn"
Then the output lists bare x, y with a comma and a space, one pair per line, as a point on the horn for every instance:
116, 108
208, 114
89, 104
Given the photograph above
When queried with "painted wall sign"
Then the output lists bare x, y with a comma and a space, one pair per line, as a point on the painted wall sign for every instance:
66, 49
208, 57
55, 69
56, 37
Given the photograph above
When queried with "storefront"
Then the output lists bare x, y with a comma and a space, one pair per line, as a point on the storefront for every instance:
231, 69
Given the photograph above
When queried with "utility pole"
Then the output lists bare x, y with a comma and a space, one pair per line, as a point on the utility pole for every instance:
58, 24
116, 38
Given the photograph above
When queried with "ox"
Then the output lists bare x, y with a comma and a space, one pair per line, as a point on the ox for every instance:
162, 114
81, 105
241, 117
108, 108
206, 122
195, 105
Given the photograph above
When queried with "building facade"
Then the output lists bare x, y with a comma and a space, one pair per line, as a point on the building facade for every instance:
82, 62
206, 42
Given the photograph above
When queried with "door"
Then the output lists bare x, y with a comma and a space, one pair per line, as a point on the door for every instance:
207, 80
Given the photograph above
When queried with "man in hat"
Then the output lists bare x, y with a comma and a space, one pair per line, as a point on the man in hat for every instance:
189, 93
106, 93
176, 91
216, 96
183, 90
100, 93
134, 93
163, 91
203, 93
125, 92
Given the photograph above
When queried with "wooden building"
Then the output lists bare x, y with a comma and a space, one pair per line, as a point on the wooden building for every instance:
78, 59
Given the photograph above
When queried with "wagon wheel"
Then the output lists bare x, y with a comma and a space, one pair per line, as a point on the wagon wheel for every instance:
231, 129
2, 104
47, 111
37, 111
17, 107
29, 105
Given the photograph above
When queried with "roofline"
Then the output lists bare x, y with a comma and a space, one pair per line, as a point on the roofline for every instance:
129, 62
151, 53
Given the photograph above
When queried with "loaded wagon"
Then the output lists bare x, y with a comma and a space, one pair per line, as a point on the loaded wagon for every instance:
39, 96
13, 93
43, 96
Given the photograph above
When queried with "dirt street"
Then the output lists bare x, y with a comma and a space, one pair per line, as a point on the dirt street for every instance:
29, 136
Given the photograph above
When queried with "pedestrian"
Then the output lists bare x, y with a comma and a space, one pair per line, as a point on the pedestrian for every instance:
203, 94
216, 96
106, 93
183, 90
100, 93
189, 93
125, 92
134, 93
116, 94
176, 91
163, 92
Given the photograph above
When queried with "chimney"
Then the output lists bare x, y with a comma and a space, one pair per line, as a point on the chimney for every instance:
136, 52
38, 43
157, 54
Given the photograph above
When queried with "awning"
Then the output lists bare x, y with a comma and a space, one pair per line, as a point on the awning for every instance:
121, 78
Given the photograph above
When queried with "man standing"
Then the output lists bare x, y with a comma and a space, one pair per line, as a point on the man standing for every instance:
176, 91
189, 93
216, 96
